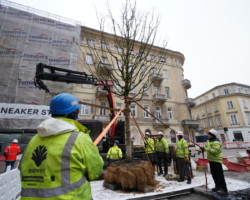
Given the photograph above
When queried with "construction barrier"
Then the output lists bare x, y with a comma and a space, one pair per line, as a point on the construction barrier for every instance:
236, 167
236, 145
202, 162
10, 187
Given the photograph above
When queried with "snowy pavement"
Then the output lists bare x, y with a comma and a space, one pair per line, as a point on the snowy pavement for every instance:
101, 193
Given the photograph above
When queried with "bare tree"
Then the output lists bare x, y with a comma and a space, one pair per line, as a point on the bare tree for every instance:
134, 60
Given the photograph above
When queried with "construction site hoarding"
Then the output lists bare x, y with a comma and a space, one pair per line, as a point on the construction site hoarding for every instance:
27, 37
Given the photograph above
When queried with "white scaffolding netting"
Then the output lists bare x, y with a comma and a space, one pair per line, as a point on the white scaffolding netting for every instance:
27, 37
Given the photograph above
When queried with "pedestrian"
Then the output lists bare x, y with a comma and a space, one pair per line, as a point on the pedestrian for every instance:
214, 155
182, 154
162, 152
114, 153
149, 148
10, 153
61, 159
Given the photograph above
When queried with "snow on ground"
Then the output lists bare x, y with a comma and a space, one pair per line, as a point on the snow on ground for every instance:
101, 193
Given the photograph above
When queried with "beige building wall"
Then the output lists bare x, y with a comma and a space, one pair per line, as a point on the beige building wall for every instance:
174, 107
228, 107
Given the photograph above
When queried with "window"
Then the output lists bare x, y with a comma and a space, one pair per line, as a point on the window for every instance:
206, 98
226, 91
162, 59
248, 117
132, 88
211, 122
104, 45
230, 104
167, 92
208, 110
164, 73
244, 103
145, 91
104, 60
158, 112
238, 136
118, 64
216, 108
141, 54
233, 119
86, 85
85, 110
131, 51
156, 89
90, 42
202, 112
213, 95
170, 113
204, 123
119, 106
89, 59
152, 57
218, 121
143, 69
102, 110
146, 107
133, 109
118, 49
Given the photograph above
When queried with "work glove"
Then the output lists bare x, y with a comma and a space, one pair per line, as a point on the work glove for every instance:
186, 160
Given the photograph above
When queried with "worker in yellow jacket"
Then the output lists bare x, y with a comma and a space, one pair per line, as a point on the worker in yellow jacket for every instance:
214, 155
61, 158
149, 148
114, 153
182, 154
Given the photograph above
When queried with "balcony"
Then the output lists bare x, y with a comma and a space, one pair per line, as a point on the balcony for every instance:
155, 77
190, 123
186, 84
158, 124
190, 102
159, 98
104, 67
102, 118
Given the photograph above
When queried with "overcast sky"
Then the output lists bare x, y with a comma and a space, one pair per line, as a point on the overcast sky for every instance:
213, 35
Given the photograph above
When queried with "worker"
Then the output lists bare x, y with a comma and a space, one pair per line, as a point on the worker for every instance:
182, 154
10, 153
61, 158
149, 148
214, 155
114, 153
162, 152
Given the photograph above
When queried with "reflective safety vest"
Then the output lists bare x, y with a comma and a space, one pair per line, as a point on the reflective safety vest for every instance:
214, 151
59, 167
162, 146
149, 145
182, 148
12, 151
114, 153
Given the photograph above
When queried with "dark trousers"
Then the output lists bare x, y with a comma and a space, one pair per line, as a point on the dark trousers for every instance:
162, 156
151, 158
11, 163
183, 168
218, 175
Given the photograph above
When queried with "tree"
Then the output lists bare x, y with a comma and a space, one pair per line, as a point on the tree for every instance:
133, 63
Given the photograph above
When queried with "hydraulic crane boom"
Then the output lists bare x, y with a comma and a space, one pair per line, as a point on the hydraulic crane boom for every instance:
51, 73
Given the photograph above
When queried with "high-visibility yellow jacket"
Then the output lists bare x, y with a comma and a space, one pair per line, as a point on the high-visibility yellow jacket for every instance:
162, 146
149, 145
214, 150
114, 153
59, 162
182, 149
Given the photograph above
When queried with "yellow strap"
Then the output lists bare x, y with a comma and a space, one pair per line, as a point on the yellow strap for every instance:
98, 139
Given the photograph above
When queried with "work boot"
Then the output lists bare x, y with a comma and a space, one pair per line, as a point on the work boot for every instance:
222, 192
215, 189
189, 181
160, 173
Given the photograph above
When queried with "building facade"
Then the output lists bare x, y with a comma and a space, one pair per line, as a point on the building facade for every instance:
166, 98
225, 108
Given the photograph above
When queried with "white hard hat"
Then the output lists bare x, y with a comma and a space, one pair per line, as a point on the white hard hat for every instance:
160, 133
15, 141
147, 133
213, 131
180, 133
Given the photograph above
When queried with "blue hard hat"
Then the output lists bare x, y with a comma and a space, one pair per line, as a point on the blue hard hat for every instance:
64, 103
116, 141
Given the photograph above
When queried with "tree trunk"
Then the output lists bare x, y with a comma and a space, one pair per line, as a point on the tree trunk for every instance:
127, 132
